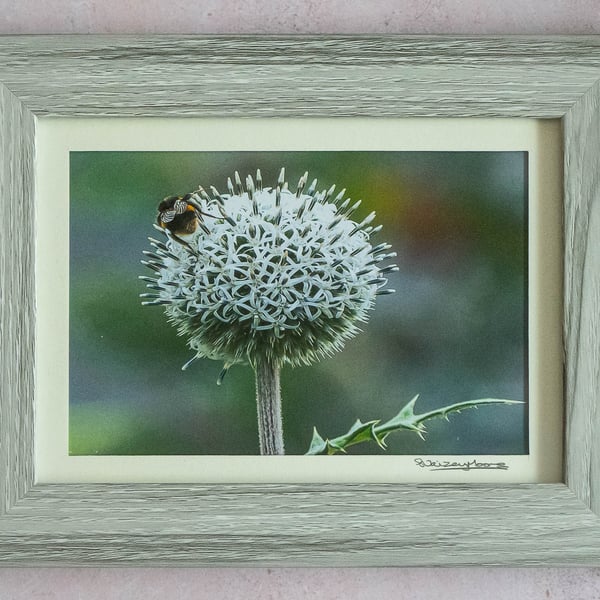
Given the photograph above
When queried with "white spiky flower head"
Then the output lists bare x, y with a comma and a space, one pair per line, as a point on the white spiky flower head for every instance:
270, 274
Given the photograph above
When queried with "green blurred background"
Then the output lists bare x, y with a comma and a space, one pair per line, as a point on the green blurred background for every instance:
455, 330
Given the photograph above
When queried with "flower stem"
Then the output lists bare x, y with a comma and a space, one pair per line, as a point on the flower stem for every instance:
268, 403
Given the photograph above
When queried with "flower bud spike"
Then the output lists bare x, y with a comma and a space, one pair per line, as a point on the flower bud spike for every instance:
258, 180
166, 254
314, 199
377, 281
389, 269
381, 257
343, 206
223, 372
204, 227
165, 232
379, 248
250, 186
281, 178
203, 194
312, 187
301, 184
339, 197
175, 298
278, 196
156, 303
226, 216
349, 212
385, 292
335, 222
216, 195
302, 209
358, 250
230, 187
152, 255
328, 193
157, 244
189, 362
239, 188
155, 267
368, 219
336, 237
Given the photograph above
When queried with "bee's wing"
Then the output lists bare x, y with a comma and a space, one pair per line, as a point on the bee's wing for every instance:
180, 207
166, 216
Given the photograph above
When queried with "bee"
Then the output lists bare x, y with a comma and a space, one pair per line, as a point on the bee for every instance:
181, 215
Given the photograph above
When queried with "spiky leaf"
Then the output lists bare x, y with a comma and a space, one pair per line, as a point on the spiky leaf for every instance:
406, 419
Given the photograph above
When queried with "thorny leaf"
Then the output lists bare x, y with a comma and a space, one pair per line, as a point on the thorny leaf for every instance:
406, 419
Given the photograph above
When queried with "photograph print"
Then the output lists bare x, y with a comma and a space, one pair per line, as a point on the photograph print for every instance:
299, 303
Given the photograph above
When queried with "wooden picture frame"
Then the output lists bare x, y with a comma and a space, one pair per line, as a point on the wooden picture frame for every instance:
308, 524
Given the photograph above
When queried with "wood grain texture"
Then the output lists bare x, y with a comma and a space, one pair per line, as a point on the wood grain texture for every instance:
16, 298
298, 76
369, 525
301, 525
582, 297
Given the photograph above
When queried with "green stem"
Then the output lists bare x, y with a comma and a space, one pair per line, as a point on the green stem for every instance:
268, 404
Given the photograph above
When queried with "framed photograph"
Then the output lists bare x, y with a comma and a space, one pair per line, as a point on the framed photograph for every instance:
454, 199
264, 299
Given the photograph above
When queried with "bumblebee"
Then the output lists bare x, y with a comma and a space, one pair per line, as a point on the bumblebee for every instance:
181, 215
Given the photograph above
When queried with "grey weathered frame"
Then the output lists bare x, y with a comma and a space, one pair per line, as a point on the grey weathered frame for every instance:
317, 525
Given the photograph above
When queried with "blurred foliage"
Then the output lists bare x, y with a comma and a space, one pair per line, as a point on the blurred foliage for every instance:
455, 330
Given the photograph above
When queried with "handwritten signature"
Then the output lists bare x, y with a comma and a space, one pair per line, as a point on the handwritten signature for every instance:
452, 465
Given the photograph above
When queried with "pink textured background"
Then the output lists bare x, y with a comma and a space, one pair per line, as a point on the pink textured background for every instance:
297, 16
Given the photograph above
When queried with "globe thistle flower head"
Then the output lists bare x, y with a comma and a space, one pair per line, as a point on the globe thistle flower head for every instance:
268, 274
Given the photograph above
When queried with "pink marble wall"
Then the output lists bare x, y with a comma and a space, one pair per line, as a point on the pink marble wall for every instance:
297, 16
299, 584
